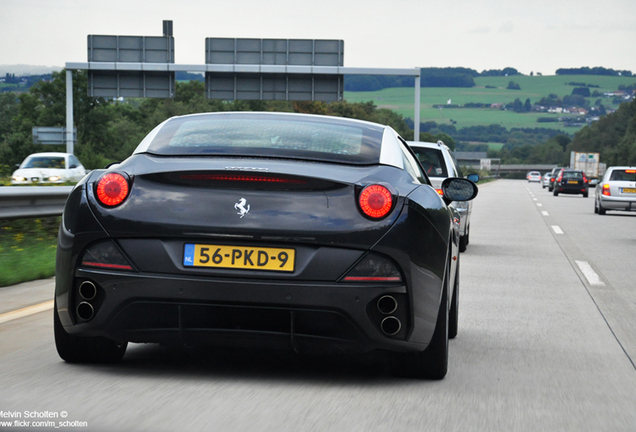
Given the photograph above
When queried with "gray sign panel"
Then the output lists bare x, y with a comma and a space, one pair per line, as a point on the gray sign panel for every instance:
113, 84
296, 52
131, 49
265, 85
51, 135
284, 87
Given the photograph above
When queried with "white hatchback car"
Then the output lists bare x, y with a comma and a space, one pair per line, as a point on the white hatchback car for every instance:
50, 167
616, 191
534, 176
439, 163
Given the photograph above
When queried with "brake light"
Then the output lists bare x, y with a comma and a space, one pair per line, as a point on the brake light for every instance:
112, 189
241, 178
440, 192
560, 177
630, 171
606, 189
375, 201
584, 178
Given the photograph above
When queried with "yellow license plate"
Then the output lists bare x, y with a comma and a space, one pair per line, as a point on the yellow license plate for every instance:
239, 257
629, 190
573, 182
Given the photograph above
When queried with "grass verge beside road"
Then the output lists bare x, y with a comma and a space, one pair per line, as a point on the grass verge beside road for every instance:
27, 249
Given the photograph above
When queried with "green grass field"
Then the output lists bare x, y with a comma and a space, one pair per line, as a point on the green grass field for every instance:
401, 100
27, 249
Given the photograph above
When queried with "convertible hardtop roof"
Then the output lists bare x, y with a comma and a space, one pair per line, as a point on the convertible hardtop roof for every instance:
263, 134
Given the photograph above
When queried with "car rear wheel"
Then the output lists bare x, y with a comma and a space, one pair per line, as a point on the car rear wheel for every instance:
75, 349
432, 363
463, 243
555, 193
585, 195
601, 210
464, 240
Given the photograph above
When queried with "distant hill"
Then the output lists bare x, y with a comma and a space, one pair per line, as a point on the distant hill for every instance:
23, 70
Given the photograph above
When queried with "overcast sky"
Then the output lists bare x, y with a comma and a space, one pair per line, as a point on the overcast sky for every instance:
530, 35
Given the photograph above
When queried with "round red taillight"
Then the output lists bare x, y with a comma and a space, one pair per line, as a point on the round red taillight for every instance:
375, 201
112, 189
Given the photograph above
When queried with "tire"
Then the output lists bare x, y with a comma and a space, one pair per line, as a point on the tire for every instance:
453, 314
463, 243
601, 210
555, 193
585, 195
75, 349
595, 207
432, 363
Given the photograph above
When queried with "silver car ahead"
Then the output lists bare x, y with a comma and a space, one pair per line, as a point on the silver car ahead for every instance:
546, 180
616, 191
439, 163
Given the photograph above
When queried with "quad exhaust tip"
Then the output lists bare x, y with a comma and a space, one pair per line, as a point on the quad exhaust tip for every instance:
387, 304
390, 325
85, 311
87, 290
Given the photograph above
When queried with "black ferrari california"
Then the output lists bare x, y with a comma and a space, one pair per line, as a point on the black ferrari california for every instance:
295, 231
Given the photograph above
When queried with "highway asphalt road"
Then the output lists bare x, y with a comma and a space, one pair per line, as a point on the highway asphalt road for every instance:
547, 341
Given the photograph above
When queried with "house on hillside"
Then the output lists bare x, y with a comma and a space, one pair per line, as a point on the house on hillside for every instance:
577, 110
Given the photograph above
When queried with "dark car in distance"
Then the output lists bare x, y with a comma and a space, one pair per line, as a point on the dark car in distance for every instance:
290, 231
571, 182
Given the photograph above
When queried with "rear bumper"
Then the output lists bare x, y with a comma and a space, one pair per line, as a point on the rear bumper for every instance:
177, 310
566, 189
617, 203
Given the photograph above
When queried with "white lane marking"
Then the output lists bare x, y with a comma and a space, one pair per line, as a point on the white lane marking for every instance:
545, 213
557, 229
534, 199
20, 313
539, 205
589, 274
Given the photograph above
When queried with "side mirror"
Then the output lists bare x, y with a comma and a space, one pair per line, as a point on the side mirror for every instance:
458, 189
72, 167
473, 178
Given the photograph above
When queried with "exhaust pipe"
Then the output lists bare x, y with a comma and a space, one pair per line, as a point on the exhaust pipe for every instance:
87, 290
85, 311
387, 304
390, 325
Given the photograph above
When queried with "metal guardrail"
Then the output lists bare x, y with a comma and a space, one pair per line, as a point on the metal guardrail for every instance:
32, 201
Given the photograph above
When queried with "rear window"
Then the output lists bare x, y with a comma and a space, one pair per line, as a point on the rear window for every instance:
576, 175
269, 135
623, 175
432, 160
